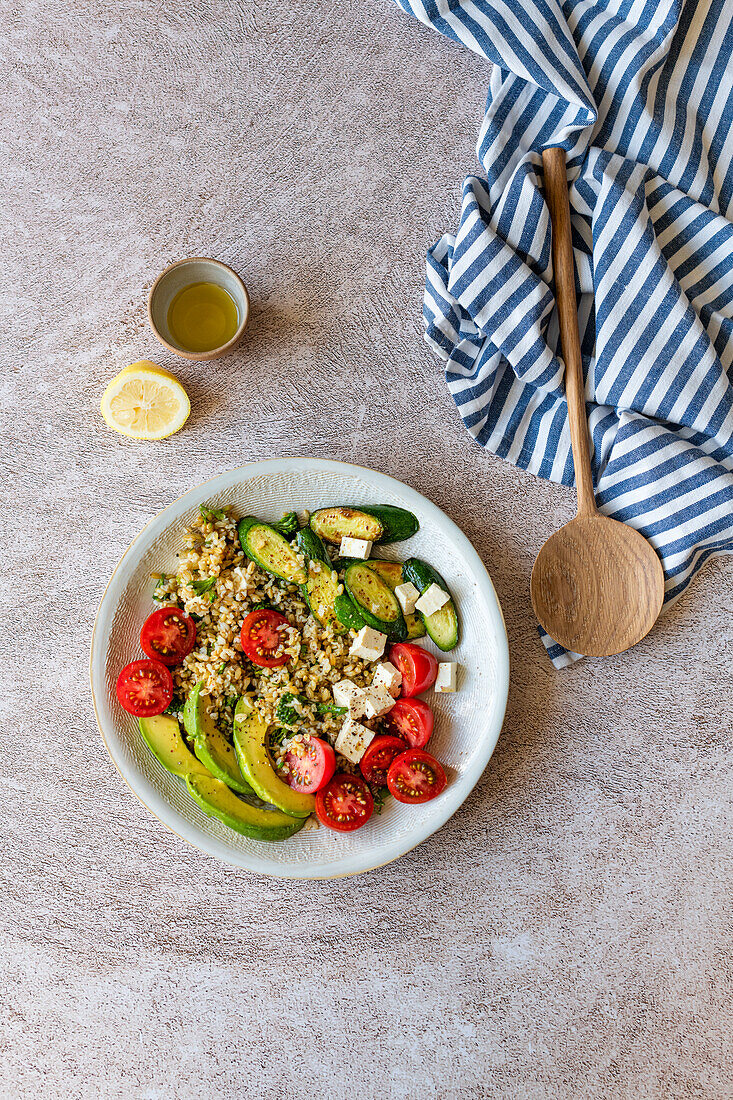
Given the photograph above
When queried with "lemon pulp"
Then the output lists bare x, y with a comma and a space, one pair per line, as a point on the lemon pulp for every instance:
145, 402
202, 317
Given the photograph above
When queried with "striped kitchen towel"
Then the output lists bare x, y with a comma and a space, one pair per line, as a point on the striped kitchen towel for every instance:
640, 95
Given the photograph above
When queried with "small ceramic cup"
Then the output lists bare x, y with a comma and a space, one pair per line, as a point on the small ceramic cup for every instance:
197, 269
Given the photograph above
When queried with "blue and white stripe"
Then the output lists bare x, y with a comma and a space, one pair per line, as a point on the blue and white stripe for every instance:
640, 94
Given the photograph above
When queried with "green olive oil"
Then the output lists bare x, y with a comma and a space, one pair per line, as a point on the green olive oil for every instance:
202, 317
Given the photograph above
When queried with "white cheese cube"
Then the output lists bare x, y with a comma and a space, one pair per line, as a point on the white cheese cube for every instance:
445, 681
388, 677
377, 702
343, 692
353, 740
368, 644
355, 548
357, 704
408, 596
432, 599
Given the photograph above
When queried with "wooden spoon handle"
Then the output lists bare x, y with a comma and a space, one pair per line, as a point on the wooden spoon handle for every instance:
556, 192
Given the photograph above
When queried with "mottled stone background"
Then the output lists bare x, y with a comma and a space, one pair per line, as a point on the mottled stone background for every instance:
568, 933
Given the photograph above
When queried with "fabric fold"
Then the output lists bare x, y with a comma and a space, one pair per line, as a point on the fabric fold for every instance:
640, 95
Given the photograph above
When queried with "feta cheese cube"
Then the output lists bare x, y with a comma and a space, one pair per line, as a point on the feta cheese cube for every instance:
355, 548
388, 677
445, 681
408, 596
343, 692
357, 704
377, 701
353, 740
432, 599
368, 644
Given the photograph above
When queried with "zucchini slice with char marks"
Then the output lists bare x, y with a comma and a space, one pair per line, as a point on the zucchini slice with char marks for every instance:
321, 588
347, 613
377, 523
391, 573
311, 547
270, 550
374, 600
442, 625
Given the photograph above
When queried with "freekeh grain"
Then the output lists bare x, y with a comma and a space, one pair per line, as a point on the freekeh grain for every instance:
217, 584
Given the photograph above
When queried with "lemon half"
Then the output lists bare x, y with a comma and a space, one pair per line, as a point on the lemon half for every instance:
145, 402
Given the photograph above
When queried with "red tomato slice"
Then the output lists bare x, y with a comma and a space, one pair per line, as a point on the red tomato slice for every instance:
310, 765
418, 667
168, 635
345, 803
412, 720
376, 760
262, 639
415, 776
145, 688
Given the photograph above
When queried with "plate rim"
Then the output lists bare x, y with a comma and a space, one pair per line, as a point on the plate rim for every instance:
165, 813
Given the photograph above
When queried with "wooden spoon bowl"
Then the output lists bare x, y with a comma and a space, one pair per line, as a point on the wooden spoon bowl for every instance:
597, 585
596, 588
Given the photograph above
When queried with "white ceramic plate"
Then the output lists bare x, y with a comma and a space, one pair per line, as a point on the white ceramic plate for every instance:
467, 724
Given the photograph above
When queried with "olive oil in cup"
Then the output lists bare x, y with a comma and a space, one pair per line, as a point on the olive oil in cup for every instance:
199, 308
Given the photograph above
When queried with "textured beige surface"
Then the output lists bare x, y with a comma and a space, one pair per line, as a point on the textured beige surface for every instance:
568, 933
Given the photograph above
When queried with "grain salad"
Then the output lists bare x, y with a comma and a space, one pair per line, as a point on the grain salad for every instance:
217, 585
282, 673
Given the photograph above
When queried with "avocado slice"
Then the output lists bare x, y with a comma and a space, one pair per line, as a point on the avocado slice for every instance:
250, 741
210, 745
162, 735
217, 800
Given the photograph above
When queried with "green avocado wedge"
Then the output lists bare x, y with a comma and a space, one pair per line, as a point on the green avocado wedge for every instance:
250, 741
209, 744
217, 800
162, 735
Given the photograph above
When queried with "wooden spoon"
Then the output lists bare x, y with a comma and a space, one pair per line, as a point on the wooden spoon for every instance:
597, 585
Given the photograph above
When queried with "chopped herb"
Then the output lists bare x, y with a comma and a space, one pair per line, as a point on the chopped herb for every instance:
287, 713
161, 580
200, 587
380, 795
209, 514
221, 668
230, 701
176, 704
288, 525
330, 708
291, 715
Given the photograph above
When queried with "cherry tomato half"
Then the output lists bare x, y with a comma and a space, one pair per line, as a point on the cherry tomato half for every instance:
263, 640
415, 776
345, 803
168, 635
412, 720
145, 688
310, 765
376, 760
418, 667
